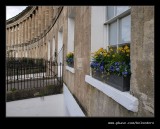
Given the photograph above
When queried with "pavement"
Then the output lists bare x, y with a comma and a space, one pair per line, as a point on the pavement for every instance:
47, 106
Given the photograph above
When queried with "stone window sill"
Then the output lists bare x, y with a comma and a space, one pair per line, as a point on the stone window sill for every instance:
124, 98
70, 69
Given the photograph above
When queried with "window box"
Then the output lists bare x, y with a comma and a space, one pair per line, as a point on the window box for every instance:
119, 82
71, 65
70, 59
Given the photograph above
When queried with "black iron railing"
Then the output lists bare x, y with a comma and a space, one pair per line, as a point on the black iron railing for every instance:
28, 73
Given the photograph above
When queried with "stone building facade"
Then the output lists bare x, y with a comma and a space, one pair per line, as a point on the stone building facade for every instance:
40, 31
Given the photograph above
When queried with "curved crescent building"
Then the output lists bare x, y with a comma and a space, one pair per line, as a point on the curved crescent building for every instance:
51, 32
30, 32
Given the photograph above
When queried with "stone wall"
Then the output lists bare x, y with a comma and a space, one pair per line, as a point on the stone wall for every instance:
142, 58
94, 101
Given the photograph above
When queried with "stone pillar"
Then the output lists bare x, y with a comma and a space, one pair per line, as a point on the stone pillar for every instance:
16, 28
27, 30
35, 23
43, 18
29, 27
39, 20
7, 37
47, 17
7, 32
24, 32
13, 35
32, 29
50, 14
21, 34
12, 38
17, 34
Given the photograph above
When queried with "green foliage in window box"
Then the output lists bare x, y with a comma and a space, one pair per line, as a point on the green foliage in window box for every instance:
70, 59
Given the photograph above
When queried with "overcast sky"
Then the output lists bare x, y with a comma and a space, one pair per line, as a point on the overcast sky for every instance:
11, 11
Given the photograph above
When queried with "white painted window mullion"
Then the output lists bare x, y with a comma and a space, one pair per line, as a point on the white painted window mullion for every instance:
107, 36
117, 32
114, 11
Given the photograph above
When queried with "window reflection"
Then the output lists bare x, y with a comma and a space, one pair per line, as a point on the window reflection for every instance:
120, 9
125, 29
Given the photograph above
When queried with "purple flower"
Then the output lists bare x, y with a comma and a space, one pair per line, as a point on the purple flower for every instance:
117, 69
112, 68
92, 65
116, 63
102, 63
102, 68
124, 73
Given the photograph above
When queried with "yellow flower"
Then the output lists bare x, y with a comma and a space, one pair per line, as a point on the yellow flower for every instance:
105, 54
113, 55
108, 55
100, 50
123, 51
126, 47
111, 49
128, 50
120, 48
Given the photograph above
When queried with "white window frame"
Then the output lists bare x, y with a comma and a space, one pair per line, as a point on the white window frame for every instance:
116, 18
71, 40
71, 31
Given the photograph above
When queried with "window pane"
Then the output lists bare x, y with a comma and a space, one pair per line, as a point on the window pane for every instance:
125, 29
113, 33
110, 12
121, 9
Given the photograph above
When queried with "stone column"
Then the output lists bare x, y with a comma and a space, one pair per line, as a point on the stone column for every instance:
21, 34
32, 28
29, 28
13, 35
46, 17
16, 35
18, 29
35, 23
7, 37
43, 18
50, 14
24, 32
39, 20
